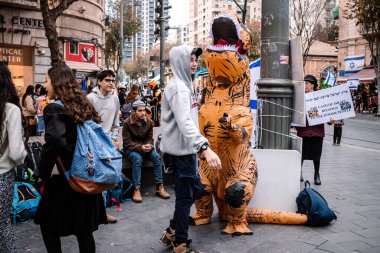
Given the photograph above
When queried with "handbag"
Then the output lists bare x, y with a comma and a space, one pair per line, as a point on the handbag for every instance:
32, 121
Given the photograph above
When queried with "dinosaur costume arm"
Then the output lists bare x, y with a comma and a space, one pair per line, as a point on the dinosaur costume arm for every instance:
240, 128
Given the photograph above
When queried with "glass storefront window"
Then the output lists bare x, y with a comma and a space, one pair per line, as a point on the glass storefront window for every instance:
20, 62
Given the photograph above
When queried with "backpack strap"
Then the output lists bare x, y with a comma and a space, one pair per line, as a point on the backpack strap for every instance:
307, 183
59, 102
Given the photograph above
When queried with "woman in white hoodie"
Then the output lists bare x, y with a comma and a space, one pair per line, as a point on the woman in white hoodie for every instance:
12, 153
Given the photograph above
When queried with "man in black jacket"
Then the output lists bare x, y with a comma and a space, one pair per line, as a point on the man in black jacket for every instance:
138, 145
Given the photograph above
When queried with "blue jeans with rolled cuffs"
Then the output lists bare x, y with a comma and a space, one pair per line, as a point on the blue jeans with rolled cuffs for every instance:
188, 188
137, 160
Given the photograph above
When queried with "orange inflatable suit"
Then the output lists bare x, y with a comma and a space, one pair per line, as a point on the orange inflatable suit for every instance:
225, 119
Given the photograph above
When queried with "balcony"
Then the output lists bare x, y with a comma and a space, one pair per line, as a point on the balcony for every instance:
27, 4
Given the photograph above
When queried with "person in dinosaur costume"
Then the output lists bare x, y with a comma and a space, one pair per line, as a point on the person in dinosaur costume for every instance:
226, 121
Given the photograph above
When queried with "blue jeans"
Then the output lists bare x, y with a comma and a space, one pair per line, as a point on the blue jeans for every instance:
137, 160
187, 189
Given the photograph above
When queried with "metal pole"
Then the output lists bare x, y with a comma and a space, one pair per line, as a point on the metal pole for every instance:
274, 85
162, 45
121, 40
135, 34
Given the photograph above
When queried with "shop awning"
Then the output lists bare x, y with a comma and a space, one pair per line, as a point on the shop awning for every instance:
364, 76
80, 66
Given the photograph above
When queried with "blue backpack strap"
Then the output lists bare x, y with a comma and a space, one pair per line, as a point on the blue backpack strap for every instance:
59, 102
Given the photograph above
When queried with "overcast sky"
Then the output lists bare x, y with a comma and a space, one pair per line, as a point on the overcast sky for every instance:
179, 13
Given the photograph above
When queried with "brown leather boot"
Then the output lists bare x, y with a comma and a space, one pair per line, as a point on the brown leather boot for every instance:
111, 219
137, 196
160, 191
184, 248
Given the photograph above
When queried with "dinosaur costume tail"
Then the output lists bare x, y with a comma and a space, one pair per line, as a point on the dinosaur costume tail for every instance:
258, 215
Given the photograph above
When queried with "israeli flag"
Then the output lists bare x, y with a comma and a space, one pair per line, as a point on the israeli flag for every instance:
254, 68
331, 79
353, 64
353, 83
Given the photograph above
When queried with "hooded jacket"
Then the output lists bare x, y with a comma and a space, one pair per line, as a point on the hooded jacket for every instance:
179, 117
12, 149
108, 109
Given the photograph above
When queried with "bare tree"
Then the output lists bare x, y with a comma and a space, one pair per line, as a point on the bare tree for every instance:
254, 27
138, 68
51, 10
367, 16
305, 22
132, 25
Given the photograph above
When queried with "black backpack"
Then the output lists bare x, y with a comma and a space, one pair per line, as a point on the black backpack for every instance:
33, 158
311, 203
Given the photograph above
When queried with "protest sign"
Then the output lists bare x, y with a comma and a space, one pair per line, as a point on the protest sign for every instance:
332, 103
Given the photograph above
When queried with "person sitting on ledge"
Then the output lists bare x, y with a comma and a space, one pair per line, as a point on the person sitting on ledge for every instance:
138, 145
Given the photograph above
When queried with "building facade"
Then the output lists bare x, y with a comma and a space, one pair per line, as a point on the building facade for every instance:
183, 34
328, 13
202, 11
351, 43
144, 40
24, 47
322, 58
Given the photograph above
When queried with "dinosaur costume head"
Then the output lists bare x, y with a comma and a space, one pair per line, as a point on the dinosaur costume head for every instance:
226, 57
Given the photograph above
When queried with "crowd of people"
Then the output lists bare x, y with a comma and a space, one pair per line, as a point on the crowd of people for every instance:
54, 110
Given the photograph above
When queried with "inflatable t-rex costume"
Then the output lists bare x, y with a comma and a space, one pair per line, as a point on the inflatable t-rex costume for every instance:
226, 121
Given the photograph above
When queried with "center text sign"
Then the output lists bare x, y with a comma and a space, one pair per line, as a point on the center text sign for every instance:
332, 103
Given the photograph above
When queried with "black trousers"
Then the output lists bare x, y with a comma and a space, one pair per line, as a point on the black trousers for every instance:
337, 134
52, 242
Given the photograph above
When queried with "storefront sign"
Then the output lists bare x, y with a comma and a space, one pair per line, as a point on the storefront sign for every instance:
332, 103
16, 55
29, 22
18, 24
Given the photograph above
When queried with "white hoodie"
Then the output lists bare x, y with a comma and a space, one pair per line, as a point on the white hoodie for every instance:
179, 109
108, 109
13, 153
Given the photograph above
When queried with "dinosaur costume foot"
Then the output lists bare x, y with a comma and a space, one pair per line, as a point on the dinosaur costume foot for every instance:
196, 220
237, 229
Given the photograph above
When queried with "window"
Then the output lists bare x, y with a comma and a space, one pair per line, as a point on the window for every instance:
73, 47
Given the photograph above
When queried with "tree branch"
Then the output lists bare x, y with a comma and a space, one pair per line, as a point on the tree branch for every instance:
64, 4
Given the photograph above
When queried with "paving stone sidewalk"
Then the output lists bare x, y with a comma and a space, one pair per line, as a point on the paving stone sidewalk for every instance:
350, 176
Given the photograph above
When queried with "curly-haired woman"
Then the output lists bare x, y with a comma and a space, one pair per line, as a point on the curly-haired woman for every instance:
12, 153
63, 211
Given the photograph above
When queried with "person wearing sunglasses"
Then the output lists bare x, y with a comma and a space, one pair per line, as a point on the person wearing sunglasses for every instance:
107, 105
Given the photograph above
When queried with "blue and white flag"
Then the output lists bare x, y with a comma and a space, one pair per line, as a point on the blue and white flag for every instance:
331, 79
254, 68
353, 83
353, 64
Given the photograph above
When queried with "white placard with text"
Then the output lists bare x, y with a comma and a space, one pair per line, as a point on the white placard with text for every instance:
332, 103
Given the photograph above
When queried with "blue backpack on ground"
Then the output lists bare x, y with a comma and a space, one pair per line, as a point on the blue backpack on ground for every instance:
25, 202
311, 203
122, 192
97, 163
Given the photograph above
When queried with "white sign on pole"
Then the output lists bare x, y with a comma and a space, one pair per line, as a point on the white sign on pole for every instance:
332, 103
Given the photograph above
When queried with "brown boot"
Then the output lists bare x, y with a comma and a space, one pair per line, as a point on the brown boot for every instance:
160, 191
184, 248
137, 196
111, 219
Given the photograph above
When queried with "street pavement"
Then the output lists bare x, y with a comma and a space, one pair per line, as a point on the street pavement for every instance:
350, 176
